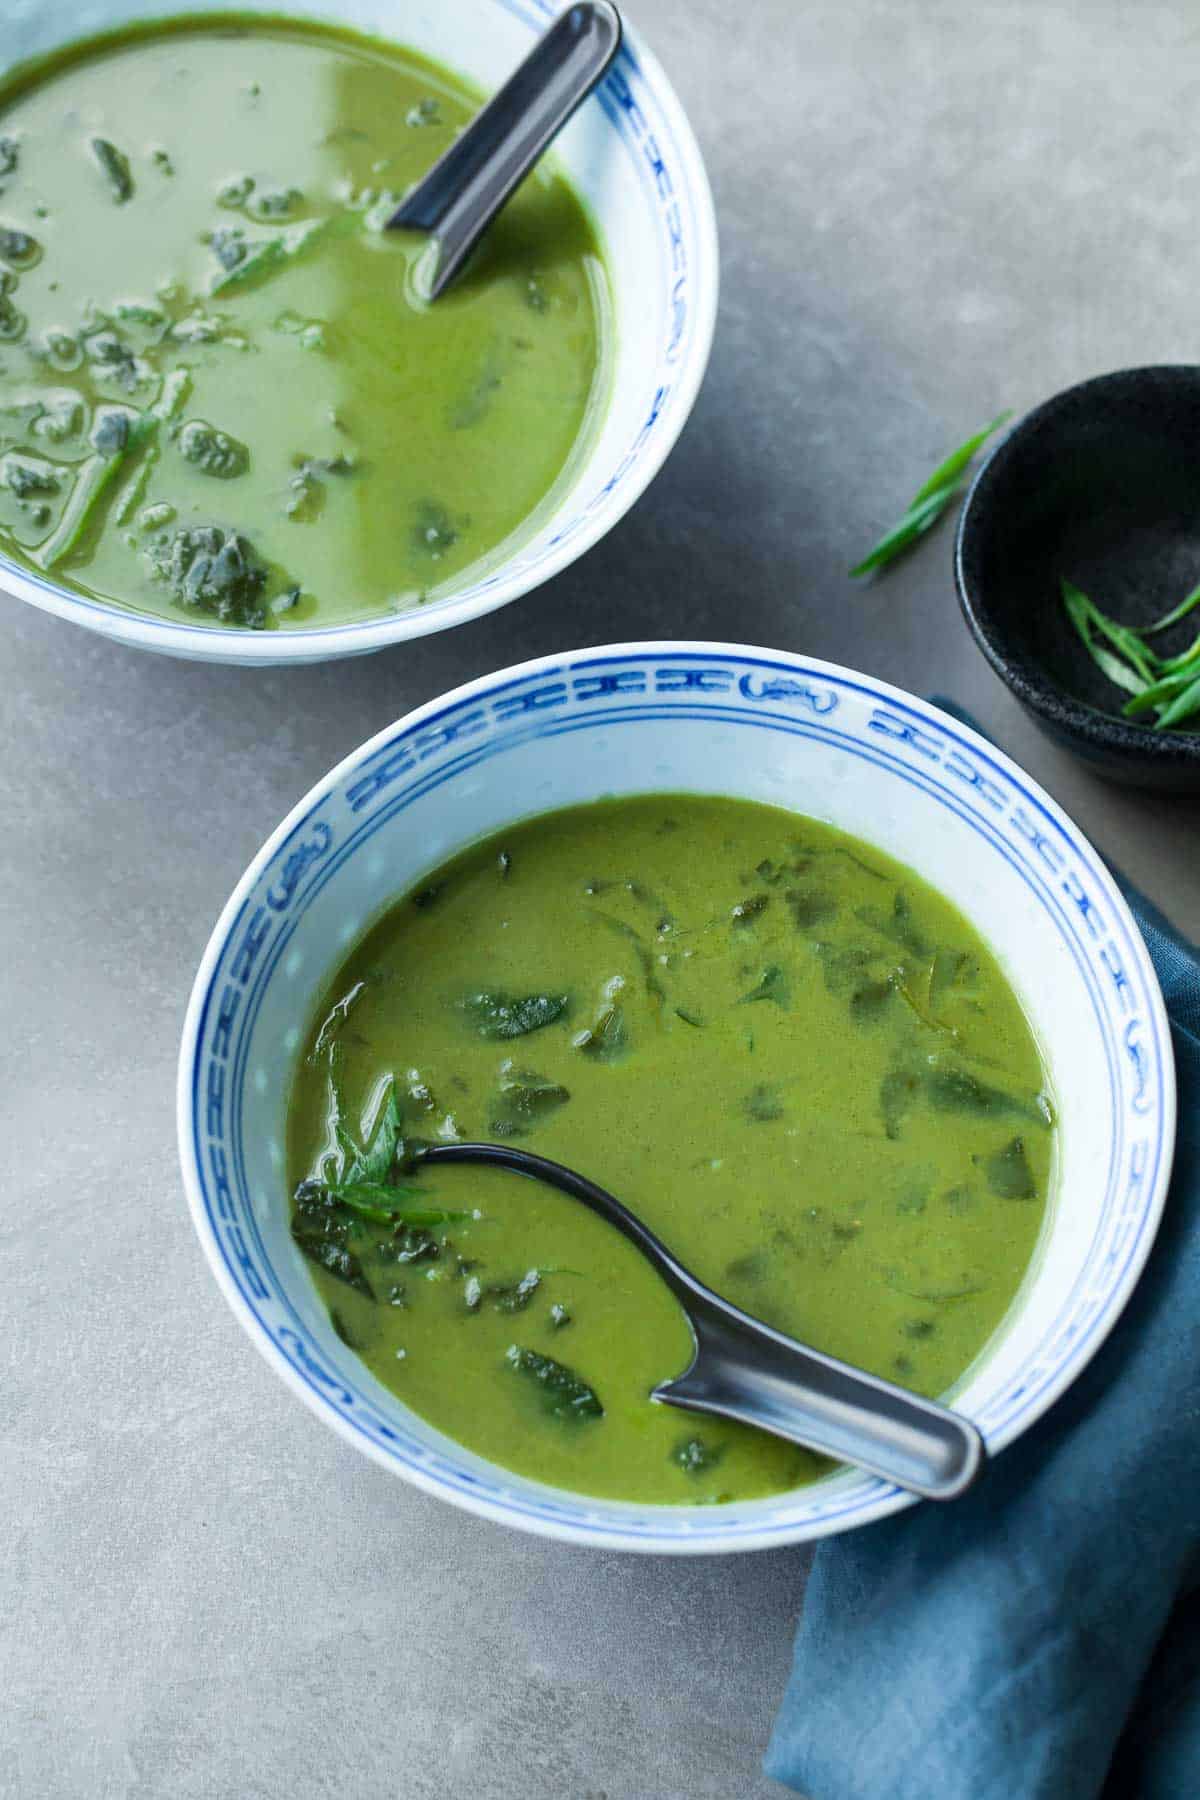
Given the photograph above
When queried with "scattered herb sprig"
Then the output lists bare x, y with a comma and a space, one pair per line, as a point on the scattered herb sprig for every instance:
929, 502
1167, 686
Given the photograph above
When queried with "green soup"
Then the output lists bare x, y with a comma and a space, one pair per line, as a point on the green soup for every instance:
799, 1064
221, 396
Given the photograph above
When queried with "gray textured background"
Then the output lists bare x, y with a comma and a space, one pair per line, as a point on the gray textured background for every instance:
927, 212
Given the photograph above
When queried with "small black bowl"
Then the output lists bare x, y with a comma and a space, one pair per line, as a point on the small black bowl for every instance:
1101, 485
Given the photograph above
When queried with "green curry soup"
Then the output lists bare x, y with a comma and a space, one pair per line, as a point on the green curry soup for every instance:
797, 1062
221, 395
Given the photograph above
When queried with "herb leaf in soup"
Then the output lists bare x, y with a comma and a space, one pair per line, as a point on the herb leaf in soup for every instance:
116, 439
693, 1455
393, 1205
958, 1090
607, 1035
212, 451
374, 1162
213, 571
115, 166
562, 1393
336, 1259
764, 1103
168, 219
1009, 1173
772, 984
243, 260
507, 1296
522, 1099
830, 1106
501, 1016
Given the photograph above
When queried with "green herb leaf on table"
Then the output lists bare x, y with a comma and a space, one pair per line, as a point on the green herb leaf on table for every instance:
958, 461
929, 502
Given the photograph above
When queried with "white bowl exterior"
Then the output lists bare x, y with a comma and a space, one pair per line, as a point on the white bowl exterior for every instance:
630, 153
707, 719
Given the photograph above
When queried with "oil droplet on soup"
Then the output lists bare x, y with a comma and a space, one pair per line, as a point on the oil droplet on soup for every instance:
222, 399
796, 1061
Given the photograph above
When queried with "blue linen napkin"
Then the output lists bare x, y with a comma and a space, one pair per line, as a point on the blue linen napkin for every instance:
1039, 1639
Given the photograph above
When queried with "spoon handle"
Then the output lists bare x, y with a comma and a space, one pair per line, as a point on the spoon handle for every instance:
745, 1370
467, 186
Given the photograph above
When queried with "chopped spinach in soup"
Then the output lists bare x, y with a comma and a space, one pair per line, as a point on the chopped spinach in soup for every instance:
796, 1061
222, 398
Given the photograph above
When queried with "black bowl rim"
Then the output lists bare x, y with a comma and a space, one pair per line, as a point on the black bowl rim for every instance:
1109, 735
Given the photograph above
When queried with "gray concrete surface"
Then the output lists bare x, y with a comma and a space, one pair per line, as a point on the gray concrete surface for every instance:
928, 212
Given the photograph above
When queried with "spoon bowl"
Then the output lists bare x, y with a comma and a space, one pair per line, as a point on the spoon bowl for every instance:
465, 189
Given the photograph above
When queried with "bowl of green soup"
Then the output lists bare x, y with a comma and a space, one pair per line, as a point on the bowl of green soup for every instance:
231, 427
808, 974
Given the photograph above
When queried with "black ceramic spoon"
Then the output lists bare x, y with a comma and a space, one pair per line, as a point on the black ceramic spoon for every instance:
743, 1369
465, 189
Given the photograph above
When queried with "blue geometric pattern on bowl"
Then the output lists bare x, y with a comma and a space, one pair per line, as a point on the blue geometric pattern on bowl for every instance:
906, 749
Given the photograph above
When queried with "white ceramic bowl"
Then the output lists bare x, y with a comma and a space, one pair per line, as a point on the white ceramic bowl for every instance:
630, 153
708, 718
